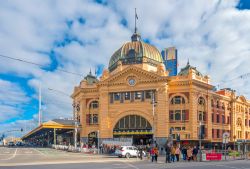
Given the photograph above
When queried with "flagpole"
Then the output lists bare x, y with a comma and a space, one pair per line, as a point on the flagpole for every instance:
135, 20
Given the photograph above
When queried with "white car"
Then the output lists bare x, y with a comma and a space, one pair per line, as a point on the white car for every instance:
128, 151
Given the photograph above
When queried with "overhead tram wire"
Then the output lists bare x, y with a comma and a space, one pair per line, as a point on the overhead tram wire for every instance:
243, 76
39, 65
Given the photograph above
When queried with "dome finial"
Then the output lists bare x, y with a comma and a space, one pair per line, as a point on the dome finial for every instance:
135, 36
188, 62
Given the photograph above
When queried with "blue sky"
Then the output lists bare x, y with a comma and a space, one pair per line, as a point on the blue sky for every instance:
78, 35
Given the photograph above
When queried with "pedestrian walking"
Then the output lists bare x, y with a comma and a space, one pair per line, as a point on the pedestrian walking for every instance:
184, 153
152, 154
156, 153
168, 152
172, 153
177, 153
189, 153
195, 152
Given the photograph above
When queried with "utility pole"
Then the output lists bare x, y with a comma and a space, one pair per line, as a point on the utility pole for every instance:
200, 143
75, 140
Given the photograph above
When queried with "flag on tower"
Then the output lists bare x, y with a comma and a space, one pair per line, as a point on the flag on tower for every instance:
136, 16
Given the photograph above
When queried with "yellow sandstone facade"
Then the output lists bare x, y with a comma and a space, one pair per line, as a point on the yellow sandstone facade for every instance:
135, 98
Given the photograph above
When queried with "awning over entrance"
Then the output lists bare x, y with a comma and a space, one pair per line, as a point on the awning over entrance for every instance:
48, 131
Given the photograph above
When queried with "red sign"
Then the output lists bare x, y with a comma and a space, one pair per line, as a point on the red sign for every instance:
213, 156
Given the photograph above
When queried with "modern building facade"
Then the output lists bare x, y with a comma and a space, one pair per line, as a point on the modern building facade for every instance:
169, 56
136, 98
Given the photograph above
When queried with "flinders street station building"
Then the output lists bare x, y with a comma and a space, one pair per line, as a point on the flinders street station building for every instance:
141, 97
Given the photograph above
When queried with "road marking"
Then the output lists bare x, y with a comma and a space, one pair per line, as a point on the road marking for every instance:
13, 156
131, 165
226, 166
40, 152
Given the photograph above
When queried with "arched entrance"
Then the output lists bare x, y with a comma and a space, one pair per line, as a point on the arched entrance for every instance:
135, 127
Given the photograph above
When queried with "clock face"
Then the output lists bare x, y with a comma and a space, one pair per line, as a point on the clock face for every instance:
131, 82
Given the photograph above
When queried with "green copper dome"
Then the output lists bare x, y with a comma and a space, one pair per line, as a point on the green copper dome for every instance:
135, 52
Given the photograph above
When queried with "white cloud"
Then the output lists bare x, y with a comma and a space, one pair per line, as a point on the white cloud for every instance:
207, 32
12, 100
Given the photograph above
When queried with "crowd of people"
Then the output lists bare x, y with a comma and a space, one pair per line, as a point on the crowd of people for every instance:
174, 153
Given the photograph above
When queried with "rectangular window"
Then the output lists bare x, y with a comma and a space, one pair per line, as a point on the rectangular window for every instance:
217, 118
148, 94
245, 122
212, 117
228, 120
177, 115
127, 96
200, 116
137, 95
212, 133
218, 133
95, 119
117, 96
249, 123
223, 119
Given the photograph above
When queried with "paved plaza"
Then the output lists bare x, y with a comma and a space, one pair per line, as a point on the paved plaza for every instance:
45, 158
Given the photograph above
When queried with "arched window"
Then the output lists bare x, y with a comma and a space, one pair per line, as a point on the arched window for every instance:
217, 104
178, 100
132, 122
201, 101
94, 105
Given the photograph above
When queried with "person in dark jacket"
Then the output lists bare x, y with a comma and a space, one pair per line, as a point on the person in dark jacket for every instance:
195, 152
184, 153
168, 153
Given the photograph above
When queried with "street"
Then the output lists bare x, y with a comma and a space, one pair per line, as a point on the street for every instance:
45, 158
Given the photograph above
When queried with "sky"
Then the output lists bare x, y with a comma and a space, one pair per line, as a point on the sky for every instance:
80, 35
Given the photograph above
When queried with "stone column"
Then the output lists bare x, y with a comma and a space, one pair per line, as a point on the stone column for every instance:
193, 115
